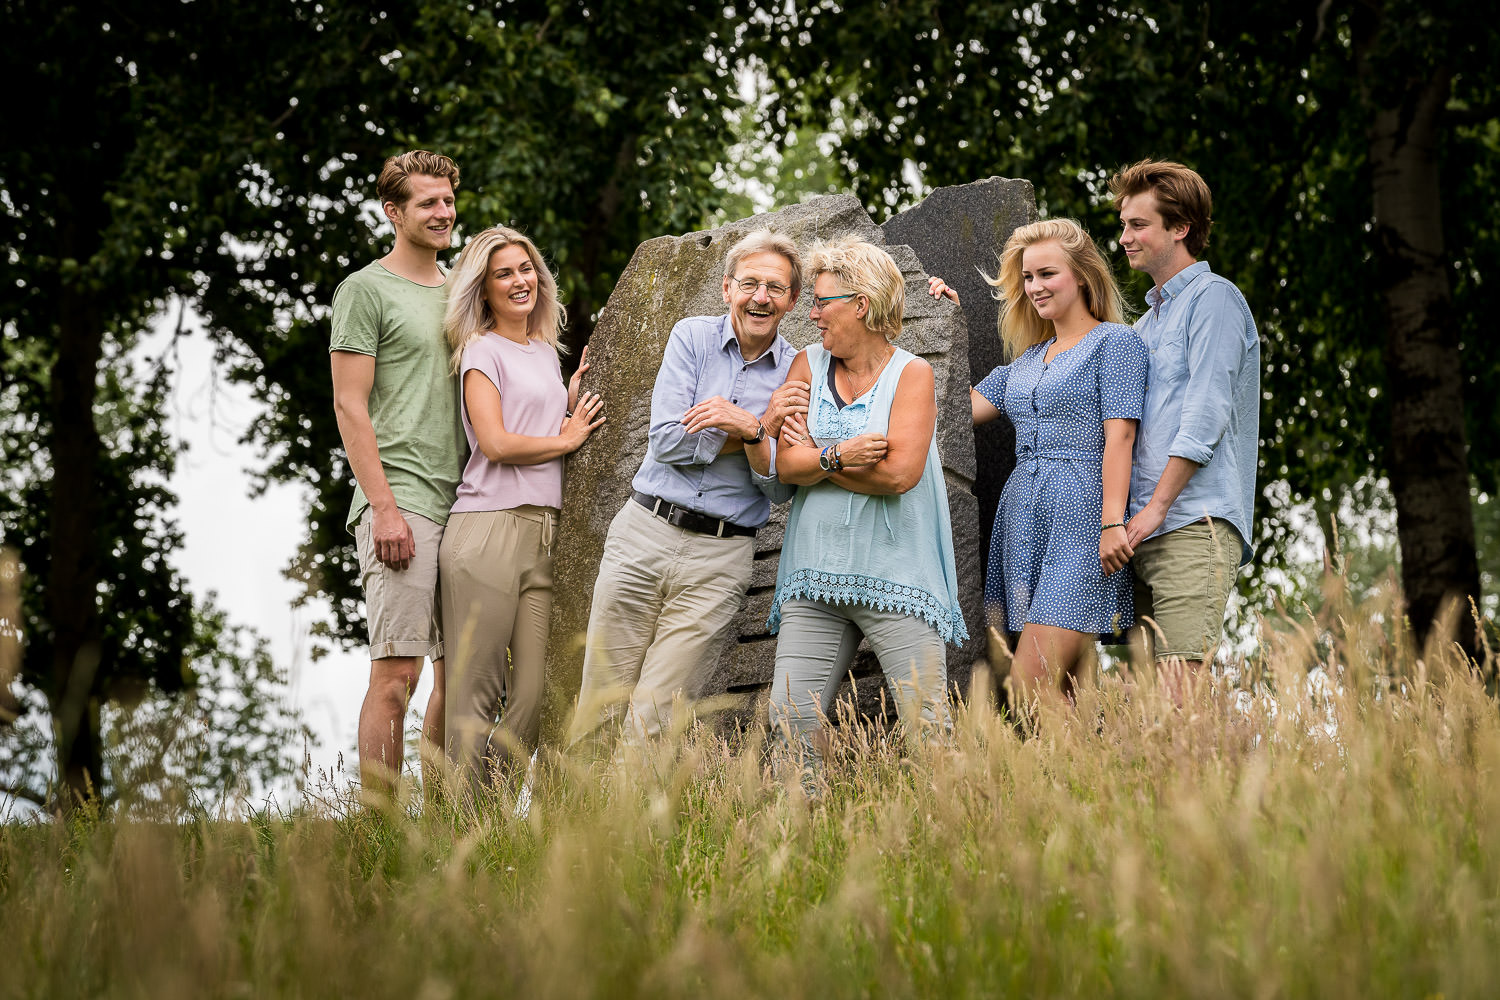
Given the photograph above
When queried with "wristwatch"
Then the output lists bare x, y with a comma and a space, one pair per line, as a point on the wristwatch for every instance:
760, 434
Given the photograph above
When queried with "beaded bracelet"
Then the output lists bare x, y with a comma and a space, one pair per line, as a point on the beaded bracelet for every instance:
1106, 527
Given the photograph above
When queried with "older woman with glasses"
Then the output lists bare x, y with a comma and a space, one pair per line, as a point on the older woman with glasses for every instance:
868, 546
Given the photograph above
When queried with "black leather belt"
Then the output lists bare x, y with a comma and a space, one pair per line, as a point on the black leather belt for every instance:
681, 517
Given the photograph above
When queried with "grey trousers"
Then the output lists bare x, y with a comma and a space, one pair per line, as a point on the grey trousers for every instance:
817, 644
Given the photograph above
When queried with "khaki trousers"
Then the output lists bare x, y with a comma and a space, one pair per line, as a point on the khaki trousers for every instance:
1182, 584
402, 606
664, 598
496, 569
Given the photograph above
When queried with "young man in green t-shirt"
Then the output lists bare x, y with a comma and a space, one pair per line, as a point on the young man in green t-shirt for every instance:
397, 408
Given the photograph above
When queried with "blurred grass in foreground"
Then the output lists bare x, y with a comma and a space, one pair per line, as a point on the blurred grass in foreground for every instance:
1325, 824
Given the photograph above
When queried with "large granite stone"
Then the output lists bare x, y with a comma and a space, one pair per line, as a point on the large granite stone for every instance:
672, 277
957, 232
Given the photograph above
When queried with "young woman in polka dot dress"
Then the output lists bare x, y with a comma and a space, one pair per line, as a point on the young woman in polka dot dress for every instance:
1057, 568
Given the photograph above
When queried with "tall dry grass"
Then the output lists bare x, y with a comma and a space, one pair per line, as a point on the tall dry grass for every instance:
1323, 822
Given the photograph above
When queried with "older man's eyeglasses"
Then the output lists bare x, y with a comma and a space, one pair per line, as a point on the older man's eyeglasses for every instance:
750, 286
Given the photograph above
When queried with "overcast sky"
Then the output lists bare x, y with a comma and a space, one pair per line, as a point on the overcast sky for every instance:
237, 545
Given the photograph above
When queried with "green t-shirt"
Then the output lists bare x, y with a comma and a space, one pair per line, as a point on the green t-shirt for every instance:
414, 399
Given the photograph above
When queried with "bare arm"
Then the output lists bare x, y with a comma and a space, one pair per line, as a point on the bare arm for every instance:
982, 410
353, 378
876, 465
1174, 480
500, 445
1115, 548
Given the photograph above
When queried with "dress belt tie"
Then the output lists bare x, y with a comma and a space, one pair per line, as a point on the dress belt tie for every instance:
1033, 459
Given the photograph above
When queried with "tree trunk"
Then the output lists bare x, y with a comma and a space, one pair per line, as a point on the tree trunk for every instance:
1427, 451
73, 573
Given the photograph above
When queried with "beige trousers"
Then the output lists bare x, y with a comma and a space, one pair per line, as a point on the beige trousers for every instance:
664, 598
496, 569
1182, 583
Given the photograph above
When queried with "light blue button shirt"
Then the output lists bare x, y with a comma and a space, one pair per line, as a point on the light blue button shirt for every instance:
1202, 400
703, 360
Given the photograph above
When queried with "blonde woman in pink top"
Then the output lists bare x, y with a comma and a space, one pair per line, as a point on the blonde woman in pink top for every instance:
495, 563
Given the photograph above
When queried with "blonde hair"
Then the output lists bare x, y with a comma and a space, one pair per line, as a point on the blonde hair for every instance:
765, 241
1020, 326
865, 269
468, 315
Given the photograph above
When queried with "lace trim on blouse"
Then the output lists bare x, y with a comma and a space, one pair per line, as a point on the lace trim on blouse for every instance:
882, 595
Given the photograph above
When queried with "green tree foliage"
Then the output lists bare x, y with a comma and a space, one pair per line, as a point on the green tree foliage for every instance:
223, 155
162, 155
591, 127
1281, 107
118, 183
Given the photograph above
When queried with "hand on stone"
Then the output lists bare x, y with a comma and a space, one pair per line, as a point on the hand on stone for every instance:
791, 398
720, 413
938, 289
583, 421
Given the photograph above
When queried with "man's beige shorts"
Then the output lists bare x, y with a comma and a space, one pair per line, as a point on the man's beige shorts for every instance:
1182, 582
402, 607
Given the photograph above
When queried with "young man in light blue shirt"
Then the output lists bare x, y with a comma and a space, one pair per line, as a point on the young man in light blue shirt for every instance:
678, 557
1192, 487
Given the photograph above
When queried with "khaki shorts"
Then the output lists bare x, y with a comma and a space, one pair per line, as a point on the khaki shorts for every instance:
402, 607
1182, 583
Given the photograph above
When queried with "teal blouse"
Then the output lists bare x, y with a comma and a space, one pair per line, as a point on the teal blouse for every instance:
892, 553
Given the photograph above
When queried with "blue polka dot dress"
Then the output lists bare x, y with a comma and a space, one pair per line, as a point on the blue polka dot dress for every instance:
1044, 556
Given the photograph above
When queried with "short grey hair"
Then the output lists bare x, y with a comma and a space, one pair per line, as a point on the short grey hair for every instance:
765, 241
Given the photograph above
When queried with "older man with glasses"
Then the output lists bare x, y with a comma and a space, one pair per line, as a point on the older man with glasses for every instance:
678, 556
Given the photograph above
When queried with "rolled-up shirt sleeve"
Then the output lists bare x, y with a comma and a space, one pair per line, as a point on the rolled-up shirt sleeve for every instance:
672, 396
1215, 350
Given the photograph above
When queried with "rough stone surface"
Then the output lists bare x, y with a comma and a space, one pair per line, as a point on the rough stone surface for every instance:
670, 278
956, 232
